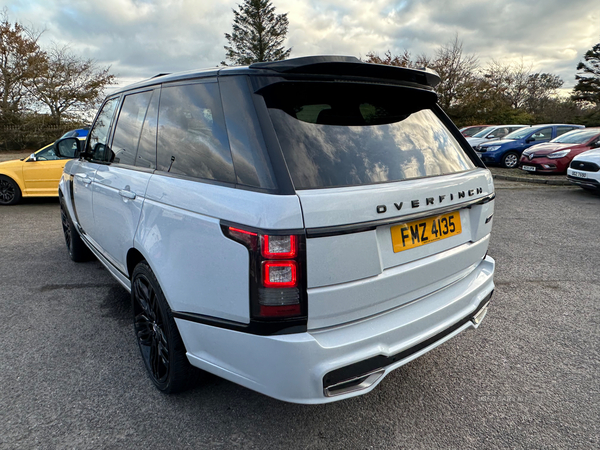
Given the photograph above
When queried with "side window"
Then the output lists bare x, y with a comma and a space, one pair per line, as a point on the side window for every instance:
128, 128
563, 130
46, 154
146, 154
250, 157
500, 132
545, 134
192, 138
97, 147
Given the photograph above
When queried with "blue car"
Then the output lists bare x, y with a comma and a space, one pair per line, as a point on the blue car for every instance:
507, 152
78, 133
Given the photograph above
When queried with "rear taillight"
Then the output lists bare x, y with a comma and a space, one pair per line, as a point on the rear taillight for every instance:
277, 268
279, 274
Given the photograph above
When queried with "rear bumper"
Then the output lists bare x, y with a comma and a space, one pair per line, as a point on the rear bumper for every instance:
344, 361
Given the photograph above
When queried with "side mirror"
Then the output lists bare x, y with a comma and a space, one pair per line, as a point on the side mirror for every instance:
31, 158
531, 139
490, 136
67, 147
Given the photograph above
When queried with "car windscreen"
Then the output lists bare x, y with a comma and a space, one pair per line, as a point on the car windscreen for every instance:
349, 134
520, 133
483, 132
576, 137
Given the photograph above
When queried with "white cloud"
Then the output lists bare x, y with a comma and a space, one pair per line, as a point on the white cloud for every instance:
140, 38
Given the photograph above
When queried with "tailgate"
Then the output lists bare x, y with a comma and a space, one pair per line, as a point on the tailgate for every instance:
362, 261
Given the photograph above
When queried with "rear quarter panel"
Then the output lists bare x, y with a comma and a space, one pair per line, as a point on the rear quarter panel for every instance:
199, 269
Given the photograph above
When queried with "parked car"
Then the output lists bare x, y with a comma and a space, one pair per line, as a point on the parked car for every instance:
35, 176
556, 155
79, 132
471, 130
584, 170
492, 133
300, 227
507, 151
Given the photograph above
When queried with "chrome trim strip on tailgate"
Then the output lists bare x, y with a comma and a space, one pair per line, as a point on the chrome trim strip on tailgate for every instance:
366, 226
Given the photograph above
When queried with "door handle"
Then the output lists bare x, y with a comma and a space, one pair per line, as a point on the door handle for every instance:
127, 194
84, 178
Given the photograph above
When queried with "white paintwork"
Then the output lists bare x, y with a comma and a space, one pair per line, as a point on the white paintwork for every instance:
346, 257
354, 205
253, 209
117, 216
199, 270
291, 367
357, 275
590, 156
83, 174
342, 303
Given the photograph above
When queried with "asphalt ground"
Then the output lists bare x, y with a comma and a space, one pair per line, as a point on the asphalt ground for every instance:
71, 376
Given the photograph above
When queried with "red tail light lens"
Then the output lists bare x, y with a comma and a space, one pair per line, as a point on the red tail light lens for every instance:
279, 274
279, 247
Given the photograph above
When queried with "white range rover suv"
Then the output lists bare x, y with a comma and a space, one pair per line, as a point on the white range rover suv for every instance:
300, 227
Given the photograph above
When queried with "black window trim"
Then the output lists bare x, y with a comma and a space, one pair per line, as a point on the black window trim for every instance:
119, 98
124, 95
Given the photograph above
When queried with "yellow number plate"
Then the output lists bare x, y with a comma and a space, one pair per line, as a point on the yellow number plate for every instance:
421, 232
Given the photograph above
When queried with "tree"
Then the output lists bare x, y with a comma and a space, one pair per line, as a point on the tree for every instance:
587, 88
541, 91
403, 60
66, 82
258, 34
20, 59
457, 73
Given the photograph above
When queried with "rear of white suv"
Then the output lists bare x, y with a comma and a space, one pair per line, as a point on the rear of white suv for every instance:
306, 227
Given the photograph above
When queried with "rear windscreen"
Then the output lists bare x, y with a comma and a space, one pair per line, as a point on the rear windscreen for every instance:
349, 134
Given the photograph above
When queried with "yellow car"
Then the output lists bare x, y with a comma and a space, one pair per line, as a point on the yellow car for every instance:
35, 176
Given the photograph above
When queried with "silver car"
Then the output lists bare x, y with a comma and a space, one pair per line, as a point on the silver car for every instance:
301, 227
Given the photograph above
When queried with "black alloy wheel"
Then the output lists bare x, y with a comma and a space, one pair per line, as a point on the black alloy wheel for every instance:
9, 191
159, 341
67, 230
78, 251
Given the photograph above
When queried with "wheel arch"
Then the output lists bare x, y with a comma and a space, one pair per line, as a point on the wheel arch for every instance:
14, 177
134, 257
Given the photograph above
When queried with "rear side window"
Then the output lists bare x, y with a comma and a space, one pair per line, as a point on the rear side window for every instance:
335, 134
543, 134
129, 125
563, 130
192, 138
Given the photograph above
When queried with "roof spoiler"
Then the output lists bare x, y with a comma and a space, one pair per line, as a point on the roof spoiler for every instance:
349, 66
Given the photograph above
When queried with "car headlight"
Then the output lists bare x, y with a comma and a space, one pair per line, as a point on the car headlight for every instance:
492, 148
560, 154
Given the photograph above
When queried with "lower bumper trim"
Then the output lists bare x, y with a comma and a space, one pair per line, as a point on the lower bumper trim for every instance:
353, 377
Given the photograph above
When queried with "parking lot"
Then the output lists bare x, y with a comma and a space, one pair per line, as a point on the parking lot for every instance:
71, 375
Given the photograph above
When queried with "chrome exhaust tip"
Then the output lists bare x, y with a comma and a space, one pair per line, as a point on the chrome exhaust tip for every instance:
354, 384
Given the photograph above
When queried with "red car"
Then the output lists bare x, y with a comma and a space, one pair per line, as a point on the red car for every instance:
473, 129
555, 156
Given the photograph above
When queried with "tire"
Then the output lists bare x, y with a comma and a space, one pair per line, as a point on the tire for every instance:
78, 251
10, 194
510, 160
161, 346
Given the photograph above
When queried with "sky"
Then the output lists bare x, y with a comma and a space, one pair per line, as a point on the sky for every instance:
141, 38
